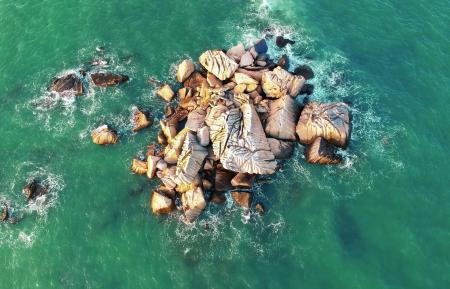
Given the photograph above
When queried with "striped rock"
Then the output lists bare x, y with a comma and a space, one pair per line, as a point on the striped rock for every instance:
279, 82
322, 152
104, 136
282, 118
330, 121
191, 159
218, 63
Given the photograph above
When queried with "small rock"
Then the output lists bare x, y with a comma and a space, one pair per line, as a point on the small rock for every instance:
253, 52
185, 69
305, 71
243, 180
246, 60
161, 165
236, 52
34, 189
151, 166
203, 135
321, 152
283, 62
138, 167
104, 136
307, 89
195, 81
213, 81
259, 207
242, 198
105, 79
223, 179
141, 119
261, 46
69, 83
4, 214
161, 204
165, 92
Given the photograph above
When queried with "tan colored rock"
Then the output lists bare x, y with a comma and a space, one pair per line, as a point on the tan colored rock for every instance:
165, 92
196, 118
282, 119
105, 79
162, 139
216, 62
240, 88
239, 139
213, 81
321, 152
191, 159
193, 204
242, 198
151, 166
169, 131
236, 52
160, 204
104, 136
279, 82
243, 180
230, 85
140, 119
185, 69
244, 78
161, 165
246, 59
168, 177
282, 150
330, 121
173, 150
138, 167
255, 74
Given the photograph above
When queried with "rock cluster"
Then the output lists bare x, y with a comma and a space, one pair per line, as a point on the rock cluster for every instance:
234, 119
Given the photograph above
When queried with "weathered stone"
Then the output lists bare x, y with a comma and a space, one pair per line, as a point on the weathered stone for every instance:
191, 159
207, 185
236, 52
173, 150
282, 150
330, 121
141, 119
193, 204
151, 166
183, 187
195, 119
243, 180
282, 119
34, 189
242, 198
261, 46
281, 42
138, 167
219, 64
162, 139
239, 139
67, 84
195, 81
322, 152
105, 79
246, 60
104, 136
161, 204
161, 165
213, 81
240, 88
305, 71
283, 62
223, 179
242, 78
279, 82
185, 69
168, 177
203, 135
165, 92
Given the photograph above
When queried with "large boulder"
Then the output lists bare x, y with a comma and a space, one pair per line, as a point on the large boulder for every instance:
104, 136
161, 204
195, 81
243, 180
223, 179
238, 138
236, 52
185, 69
141, 119
138, 167
330, 121
282, 118
279, 82
152, 162
105, 79
218, 63
173, 149
67, 84
282, 150
242, 198
4, 214
195, 119
193, 204
34, 189
321, 152
191, 159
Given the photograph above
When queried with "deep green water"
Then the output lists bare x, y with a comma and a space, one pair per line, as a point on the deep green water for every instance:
379, 220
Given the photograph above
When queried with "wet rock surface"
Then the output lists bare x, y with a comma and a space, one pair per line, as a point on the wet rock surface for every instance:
105, 79
67, 84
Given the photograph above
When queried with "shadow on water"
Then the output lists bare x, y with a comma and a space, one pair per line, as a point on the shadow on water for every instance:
348, 232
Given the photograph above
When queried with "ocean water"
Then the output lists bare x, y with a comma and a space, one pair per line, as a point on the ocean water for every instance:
380, 219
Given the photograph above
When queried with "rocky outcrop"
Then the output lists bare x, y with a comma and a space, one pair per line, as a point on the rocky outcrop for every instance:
173, 150
239, 139
282, 119
141, 119
67, 84
218, 63
282, 150
279, 82
138, 167
161, 204
34, 189
321, 152
193, 204
104, 136
191, 159
185, 69
242, 198
243, 180
105, 79
281, 42
330, 121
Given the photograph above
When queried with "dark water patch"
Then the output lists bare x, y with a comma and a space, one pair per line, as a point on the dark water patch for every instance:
348, 232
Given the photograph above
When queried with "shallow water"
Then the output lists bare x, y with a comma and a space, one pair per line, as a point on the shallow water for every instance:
378, 220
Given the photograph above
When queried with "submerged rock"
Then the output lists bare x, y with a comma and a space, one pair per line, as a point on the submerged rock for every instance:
223, 179
305, 71
185, 69
279, 82
330, 121
259, 207
321, 152
282, 119
193, 204
105, 79
104, 136
67, 84
218, 63
161, 204
34, 189
242, 198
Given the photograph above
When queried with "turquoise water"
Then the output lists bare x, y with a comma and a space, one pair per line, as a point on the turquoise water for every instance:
378, 220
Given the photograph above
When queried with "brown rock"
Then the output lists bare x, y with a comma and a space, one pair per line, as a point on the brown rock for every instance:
162, 138
279, 82
282, 150
223, 179
168, 177
185, 69
104, 136
4, 214
195, 81
240, 88
207, 185
193, 204
259, 207
138, 167
282, 119
242, 198
165, 92
161, 165
161, 204
141, 119
213, 81
330, 121
34, 189
321, 152
243, 180
236, 52
105, 79
218, 198
67, 84
246, 59
219, 64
